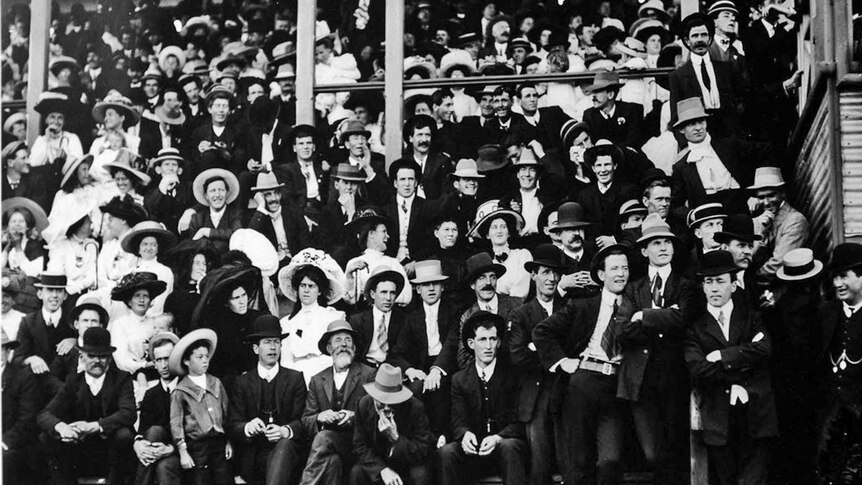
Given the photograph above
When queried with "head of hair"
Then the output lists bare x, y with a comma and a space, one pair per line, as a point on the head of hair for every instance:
499, 90
439, 95
524, 86
316, 275
421, 121
325, 42
655, 183
197, 344
698, 20
612, 252
212, 179
28, 217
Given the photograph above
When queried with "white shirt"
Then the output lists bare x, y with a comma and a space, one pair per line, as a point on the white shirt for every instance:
530, 210
278, 227
339, 377
608, 114
725, 311
169, 386
533, 120
740, 279
375, 353
52, 318
606, 311
848, 309
490, 306
713, 174
201, 380
576, 256
710, 96
548, 306
215, 216
664, 272
312, 188
94, 383
488, 370
770, 29
432, 328
267, 374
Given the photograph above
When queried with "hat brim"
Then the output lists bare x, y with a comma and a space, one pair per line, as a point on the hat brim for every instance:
229, 178
160, 337
155, 288
39, 216
141, 176
132, 241
646, 238
479, 230
591, 88
529, 266
103, 314
497, 268
48, 106
725, 237
162, 115
324, 339
390, 398
101, 351
357, 223
285, 276
175, 359
732, 270
130, 114
569, 225
388, 275
346, 134
689, 119
254, 338
816, 270
755, 188
429, 279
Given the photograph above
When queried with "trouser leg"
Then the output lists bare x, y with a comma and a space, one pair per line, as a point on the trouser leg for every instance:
324, 465
283, 463
512, 459
540, 436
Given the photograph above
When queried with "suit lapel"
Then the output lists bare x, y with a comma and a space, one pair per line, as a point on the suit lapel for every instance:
326, 379
280, 386
107, 391
40, 331
713, 328
350, 383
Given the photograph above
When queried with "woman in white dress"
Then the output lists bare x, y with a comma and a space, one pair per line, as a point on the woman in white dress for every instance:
23, 248
496, 224
313, 280
146, 240
72, 251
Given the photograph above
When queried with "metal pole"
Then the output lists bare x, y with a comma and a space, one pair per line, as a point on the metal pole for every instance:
305, 38
40, 21
394, 90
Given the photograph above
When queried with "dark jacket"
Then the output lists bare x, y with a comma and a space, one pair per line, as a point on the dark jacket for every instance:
295, 190
156, 410
229, 152
168, 209
743, 362
294, 224
151, 138
21, 402
517, 126
603, 209
374, 452
279, 144
435, 174
471, 135
551, 120
365, 326
290, 397
467, 404
684, 85
411, 349
220, 236
505, 306
72, 403
624, 128
320, 393
33, 336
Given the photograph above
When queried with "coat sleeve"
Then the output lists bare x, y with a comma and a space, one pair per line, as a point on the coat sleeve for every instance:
519, 340
447, 361
178, 431
400, 354
312, 409
58, 407
238, 412
750, 354
299, 395
699, 368
549, 335
126, 413
414, 445
28, 405
791, 235
363, 440
460, 409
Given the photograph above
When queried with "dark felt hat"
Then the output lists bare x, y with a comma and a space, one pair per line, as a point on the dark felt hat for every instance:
547, 255
845, 256
265, 326
334, 327
469, 328
124, 208
739, 227
481, 263
716, 263
142, 280
97, 341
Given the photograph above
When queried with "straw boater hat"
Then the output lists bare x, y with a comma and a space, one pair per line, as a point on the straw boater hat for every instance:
418, 65
131, 242
70, 168
383, 273
519, 42
118, 103
173, 118
722, 6
570, 216
152, 73
799, 264
96, 341
570, 130
632, 207
165, 154
16, 117
598, 261
266, 181
51, 280
481, 263
387, 387
739, 227
429, 271
469, 331
716, 263
320, 260
705, 212
546, 255
161, 337
654, 227
688, 110
467, 169
265, 326
171, 50
491, 210
845, 256
122, 163
141, 280
175, 360
258, 248
39, 216
767, 178
196, 67
52, 102
334, 327
210, 173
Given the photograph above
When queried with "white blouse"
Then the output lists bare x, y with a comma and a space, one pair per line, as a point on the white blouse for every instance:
75, 258
299, 350
516, 281
130, 334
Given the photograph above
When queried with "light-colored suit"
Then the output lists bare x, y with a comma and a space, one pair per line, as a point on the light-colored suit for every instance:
789, 231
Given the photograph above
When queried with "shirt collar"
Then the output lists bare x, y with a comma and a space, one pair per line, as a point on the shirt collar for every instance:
727, 309
170, 385
267, 374
850, 310
52, 316
609, 298
577, 256
94, 383
494, 303
489, 370
377, 314
201, 380
696, 59
429, 309
609, 114
409, 200
664, 272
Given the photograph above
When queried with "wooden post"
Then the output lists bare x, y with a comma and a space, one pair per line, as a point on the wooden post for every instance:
394, 90
305, 38
37, 77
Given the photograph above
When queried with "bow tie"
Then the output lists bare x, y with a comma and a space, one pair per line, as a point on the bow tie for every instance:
502, 257
724, 42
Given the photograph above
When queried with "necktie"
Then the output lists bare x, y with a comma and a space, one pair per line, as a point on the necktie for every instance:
404, 206
382, 339
722, 321
609, 338
704, 73
656, 291
482, 375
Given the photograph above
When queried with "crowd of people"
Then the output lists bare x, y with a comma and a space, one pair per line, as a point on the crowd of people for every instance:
555, 278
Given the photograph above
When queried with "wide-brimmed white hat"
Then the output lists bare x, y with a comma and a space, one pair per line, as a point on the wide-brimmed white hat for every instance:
229, 178
258, 248
322, 261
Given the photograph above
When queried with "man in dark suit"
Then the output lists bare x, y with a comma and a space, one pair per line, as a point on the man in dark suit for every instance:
21, 402
371, 165
91, 418
16, 172
166, 127
482, 274
215, 189
330, 409
537, 186
421, 134
738, 238
171, 199
193, 108
652, 319
472, 133
307, 179
485, 426
88, 312
45, 333
218, 143
727, 353
610, 119
342, 207
409, 209
153, 447
419, 349
715, 83
725, 45
548, 120
391, 440
536, 383
283, 226
576, 281
265, 142
506, 122
601, 200
445, 128
580, 345
379, 326
266, 405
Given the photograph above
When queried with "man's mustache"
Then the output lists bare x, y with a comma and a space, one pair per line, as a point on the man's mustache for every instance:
487, 288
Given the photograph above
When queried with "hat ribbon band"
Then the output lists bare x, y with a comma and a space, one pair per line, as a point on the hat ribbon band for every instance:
799, 270
390, 389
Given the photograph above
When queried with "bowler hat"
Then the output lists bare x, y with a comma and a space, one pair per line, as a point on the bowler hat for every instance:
387, 387
570, 215
481, 263
716, 263
96, 341
845, 256
334, 327
547, 255
739, 227
265, 326
468, 330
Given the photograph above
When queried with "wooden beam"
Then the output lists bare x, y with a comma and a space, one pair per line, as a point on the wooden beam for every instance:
394, 90
37, 77
305, 38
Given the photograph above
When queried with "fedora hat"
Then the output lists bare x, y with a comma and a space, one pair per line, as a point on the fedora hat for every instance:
59, 63
53, 102
457, 59
141, 280
603, 148
716, 263
6, 343
799, 264
258, 248
632, 207
481, 263
165, 154
354, 127
526, 159
570, 216
266, 181
546, 255
285, 72
368, 215
383, 273
598, 260
131, 242
16, 203
653, 174
282, 53
320, 260
16, 117
570, 130
51, 280
490, 210
89, 302
96, 341
688, 110
119, 103
604, 80
152, 73
467, 169
265, 326
161, 337
171, 50
176, 357
654, 226
705, 212
490, 157
739, 227
125, 209
845, 256
334, 327
346, 171
767, 178
469, 328
211, 173
428, 271
387, 387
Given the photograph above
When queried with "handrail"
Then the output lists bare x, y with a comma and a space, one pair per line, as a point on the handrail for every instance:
812, 104
483, 80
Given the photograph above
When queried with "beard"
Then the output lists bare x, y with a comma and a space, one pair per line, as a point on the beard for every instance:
342, 359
